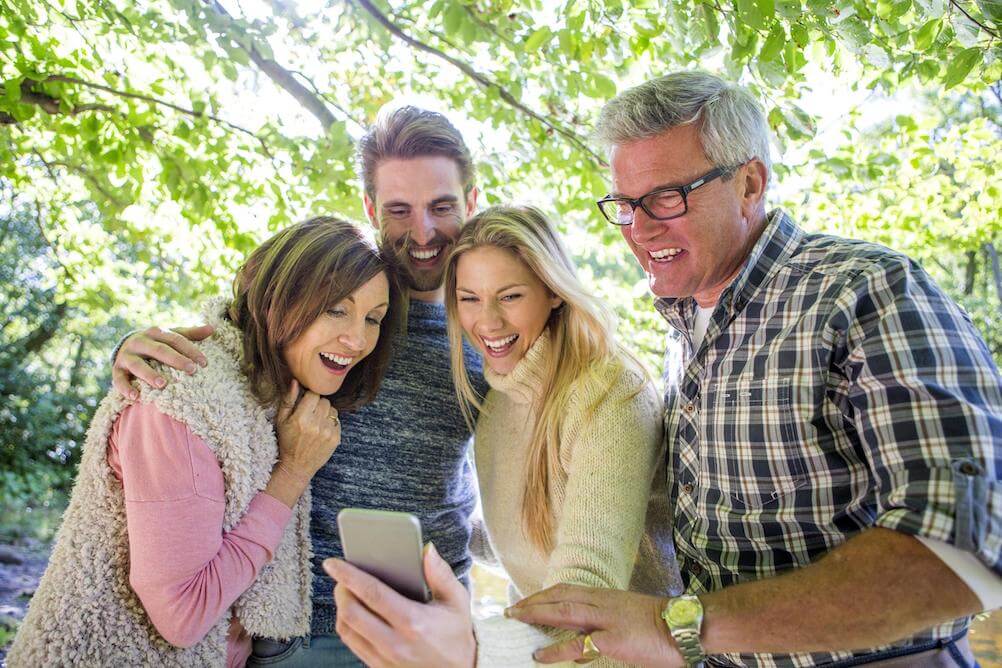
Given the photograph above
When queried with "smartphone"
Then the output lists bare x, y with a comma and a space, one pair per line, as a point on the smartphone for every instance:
387, 545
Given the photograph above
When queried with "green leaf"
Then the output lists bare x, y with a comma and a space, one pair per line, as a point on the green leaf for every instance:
453, 18
711, 23
773, 44
12, 90
961, 66
925, 37
538, 38
750, 13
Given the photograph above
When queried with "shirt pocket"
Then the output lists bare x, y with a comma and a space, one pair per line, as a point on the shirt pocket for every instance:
752, 454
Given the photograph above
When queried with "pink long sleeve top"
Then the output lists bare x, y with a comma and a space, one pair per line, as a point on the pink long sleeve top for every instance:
185, 569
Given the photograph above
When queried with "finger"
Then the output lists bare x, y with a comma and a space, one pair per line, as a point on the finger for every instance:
441, 580
557, 593
197, 333
353, 615
288, 402
307, 403
360, 646
137, 367
183, 345
121, 381
381, 599
571, 649
323, 408
563, 615
154, 348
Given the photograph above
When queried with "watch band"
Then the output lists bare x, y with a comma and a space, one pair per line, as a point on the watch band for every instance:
689, 645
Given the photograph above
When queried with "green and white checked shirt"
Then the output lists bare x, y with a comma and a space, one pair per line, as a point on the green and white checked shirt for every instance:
836, 389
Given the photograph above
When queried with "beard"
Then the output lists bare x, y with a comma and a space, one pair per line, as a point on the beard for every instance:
418, 279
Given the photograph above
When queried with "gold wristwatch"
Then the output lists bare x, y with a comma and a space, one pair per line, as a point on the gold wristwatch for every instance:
684, 617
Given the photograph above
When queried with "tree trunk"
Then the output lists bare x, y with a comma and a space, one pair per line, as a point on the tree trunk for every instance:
77, 369
972, 271
996, 268
41, 335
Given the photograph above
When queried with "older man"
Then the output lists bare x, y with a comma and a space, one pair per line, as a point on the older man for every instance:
833, 419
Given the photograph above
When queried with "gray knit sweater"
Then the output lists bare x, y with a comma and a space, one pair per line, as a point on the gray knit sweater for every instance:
405, 451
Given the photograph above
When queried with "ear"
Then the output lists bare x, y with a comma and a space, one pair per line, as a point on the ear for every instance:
752, 180
471, 201
556, 302
370, 211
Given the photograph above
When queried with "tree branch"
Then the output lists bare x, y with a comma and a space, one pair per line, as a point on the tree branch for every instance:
974, 20
480, 79
45, 238
282, 77
157, 101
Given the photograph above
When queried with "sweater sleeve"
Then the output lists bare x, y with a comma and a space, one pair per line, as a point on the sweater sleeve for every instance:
610, 461
185, 569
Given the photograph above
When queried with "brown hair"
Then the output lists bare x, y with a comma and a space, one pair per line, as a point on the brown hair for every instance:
409, 132
292, 279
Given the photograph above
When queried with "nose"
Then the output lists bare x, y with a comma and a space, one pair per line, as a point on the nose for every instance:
424, 229
491, 319
644, 228
353, 338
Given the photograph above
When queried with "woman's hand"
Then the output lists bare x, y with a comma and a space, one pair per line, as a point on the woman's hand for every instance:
309, 432
383, 628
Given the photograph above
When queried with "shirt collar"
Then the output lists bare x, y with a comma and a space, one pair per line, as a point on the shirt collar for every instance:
774, 247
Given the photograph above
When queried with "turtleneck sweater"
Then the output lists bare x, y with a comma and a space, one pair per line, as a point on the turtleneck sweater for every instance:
599, 494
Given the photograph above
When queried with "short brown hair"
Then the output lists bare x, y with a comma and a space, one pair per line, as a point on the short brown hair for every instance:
292, 279
409, 132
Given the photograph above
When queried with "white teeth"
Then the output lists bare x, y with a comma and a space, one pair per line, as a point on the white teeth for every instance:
498, 344
425, 254
665, 253
337, 359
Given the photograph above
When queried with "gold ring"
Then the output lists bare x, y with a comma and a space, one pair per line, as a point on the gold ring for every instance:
590, 652
334, 418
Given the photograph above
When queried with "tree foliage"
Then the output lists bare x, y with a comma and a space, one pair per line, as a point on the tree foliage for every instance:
146, 147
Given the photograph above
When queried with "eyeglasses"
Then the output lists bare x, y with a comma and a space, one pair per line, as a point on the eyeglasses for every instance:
659, 204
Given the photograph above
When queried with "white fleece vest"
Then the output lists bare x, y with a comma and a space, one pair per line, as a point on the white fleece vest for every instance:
84, 612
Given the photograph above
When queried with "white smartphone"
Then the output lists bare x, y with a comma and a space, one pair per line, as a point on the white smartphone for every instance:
387, 545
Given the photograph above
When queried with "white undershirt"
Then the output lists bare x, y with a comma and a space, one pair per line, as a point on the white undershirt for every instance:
980, 579
700, 325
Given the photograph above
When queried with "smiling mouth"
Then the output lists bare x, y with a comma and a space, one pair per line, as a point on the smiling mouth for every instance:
666, 255
424, 257
336, 363
499, 347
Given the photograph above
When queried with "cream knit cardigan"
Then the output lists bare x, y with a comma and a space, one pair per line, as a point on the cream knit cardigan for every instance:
84, 612
612, 524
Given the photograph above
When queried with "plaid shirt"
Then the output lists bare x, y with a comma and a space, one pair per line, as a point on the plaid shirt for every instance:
836, 389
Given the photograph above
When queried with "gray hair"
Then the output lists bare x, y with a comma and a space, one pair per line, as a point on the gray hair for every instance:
732, 126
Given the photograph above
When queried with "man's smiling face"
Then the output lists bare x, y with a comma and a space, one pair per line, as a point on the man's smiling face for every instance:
419, 209
699, 253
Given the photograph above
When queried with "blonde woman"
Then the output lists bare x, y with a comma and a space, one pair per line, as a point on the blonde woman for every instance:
567, 441
188, 528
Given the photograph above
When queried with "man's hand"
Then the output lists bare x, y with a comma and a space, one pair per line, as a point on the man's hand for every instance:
384, 628
623, 625
172, 347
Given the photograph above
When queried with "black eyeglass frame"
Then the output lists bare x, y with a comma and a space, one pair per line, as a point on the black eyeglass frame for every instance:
684, 191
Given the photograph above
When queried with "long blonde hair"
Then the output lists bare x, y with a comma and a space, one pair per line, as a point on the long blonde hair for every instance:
582, 337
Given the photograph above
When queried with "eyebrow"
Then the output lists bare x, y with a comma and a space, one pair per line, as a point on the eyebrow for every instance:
352, 300
451, 199
619, 195
502, 289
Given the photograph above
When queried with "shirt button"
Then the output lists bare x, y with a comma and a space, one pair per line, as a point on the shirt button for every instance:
688, 487
695, 568
690, 408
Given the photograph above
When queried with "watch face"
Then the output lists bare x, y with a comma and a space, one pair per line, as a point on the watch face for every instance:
683, 613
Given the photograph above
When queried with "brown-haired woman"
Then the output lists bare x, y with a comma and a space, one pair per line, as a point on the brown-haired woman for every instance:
187, 531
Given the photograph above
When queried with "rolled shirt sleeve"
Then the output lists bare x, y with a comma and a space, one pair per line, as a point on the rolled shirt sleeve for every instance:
925, 398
